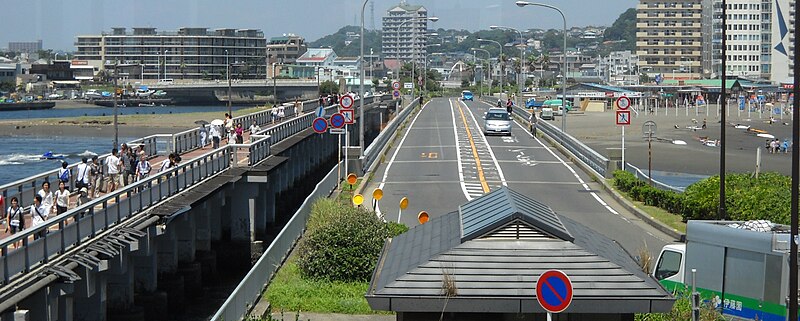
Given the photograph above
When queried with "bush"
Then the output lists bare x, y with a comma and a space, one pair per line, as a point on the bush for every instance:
764, 198
342, 243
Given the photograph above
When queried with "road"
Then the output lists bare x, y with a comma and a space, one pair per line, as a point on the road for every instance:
442, 160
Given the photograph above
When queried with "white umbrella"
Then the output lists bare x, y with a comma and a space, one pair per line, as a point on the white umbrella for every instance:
217, 122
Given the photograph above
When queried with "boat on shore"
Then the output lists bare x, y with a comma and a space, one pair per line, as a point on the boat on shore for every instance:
32, 105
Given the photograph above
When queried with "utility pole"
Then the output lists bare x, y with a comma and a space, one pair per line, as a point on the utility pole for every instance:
116, 113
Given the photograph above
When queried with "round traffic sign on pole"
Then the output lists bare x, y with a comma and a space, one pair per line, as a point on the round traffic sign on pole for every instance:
320, 125
404, 203
358, 199
346, 101
377, 194
396, 93
396, 85
423, 217
554, 291
337, 120
623, 103
352, 178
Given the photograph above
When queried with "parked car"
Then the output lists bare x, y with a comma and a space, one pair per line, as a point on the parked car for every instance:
497, 121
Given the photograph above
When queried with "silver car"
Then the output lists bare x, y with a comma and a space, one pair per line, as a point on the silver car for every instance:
497, 121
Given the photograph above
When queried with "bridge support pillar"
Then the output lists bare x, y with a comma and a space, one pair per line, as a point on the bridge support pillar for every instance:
167, 245
90, 296
145, 263
66, 301
243, 212
44, 304
120, 283
261, 217
202, 217
185, 230
215, 216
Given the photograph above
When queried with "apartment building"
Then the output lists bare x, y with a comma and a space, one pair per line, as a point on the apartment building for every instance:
188, 53
25, 46
286, 49
405, 33
669, 38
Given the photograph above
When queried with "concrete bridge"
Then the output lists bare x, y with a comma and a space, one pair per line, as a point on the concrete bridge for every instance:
247, 92
138, 253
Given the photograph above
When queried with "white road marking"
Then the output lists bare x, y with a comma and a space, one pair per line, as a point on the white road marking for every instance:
489, 148
458, 153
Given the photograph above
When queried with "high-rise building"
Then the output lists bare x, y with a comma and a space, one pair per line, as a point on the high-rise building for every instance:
405, 32
189, 53
25, 46
758, 38
669, 38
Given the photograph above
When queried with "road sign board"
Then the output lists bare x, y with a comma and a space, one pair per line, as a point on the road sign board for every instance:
396, 93
554, 291
346, 102
336, 131
349, 116
649, 128
320, 125
337, 120
623, 103
408, 85
623, 117
396, 85
320, 111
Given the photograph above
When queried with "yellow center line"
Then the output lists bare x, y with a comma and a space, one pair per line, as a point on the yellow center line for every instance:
481, 177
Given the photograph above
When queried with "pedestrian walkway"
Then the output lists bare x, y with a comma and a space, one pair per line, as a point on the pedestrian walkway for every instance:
241, 157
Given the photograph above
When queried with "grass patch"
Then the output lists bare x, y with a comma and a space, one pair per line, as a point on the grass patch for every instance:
290, 292
674, 221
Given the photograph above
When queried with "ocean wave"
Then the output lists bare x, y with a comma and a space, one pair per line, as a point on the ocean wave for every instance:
7, 162
87, 153
19, 158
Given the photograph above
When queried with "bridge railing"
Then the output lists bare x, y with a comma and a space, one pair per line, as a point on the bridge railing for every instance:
643, 176
63, 232
375, 149
250, 288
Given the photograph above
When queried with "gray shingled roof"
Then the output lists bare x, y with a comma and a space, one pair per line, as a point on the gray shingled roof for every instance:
498, 208
499, 275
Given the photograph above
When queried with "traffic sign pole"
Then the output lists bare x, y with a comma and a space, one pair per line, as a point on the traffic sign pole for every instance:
623, 148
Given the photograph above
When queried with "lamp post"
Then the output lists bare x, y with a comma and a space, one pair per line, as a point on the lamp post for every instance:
489, 56
564, 67
498, 61
165, 63
228, 73
361, 87
413, 65
425, 70
274, 85
521, 58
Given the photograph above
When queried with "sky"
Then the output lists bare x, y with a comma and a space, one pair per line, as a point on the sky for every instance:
58, 22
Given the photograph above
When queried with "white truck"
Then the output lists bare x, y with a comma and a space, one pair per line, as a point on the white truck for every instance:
741, 267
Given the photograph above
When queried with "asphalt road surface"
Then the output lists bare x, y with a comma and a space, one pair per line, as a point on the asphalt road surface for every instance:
443, 159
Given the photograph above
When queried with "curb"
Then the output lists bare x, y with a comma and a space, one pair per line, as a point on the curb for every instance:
678, 236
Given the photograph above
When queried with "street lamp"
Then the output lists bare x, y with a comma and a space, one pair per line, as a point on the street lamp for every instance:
165, 63
361, 87
489, 56
413, 61
499, 62
521, 58
564, 67
228, 73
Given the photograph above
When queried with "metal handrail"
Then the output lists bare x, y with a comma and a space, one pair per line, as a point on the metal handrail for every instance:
644, 177
373, 150
87, 220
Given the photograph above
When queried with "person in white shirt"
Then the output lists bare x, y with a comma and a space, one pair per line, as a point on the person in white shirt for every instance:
143, 168
46, 198
167, 163
62, 198
254, 128
39, 214
113, 164
82, 174
15, 219
203, 136
281, 112
216, 135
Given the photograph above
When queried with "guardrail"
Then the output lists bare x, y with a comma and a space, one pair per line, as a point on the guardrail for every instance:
61, 233
374, 150
250, 288
642, 176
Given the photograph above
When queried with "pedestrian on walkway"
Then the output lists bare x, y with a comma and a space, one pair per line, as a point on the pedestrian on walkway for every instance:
321, 101
63, 173
534, 122
281, 112
39, 214
203, 135
298, 107
124, 161
15, 218
46, 198
95, 177
229, 128
113, 165
167, 163
216, 136
82, 174
239, 133
254, 128
62, 198
143, 168
274, 113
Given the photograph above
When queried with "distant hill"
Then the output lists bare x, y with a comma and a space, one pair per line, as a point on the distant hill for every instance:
623, 30
338, 41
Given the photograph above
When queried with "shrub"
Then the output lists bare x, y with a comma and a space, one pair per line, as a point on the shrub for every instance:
639, 191
342, 243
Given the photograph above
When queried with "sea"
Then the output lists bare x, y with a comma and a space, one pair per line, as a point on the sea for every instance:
20, 154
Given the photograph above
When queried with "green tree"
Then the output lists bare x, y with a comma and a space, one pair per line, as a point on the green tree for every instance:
624, 28
328, 87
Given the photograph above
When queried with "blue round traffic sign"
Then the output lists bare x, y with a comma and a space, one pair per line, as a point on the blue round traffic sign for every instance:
337, 120
554, 291
320, 125
396, 93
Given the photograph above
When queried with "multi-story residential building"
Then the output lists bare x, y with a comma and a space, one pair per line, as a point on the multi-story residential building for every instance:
619, 68
758, 38
669, 38
286, 49
189, 53
405, 33
25, 46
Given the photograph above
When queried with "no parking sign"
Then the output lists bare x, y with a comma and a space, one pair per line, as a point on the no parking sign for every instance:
554, 291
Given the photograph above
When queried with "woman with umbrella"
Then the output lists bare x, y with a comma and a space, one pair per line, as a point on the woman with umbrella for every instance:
216, 133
